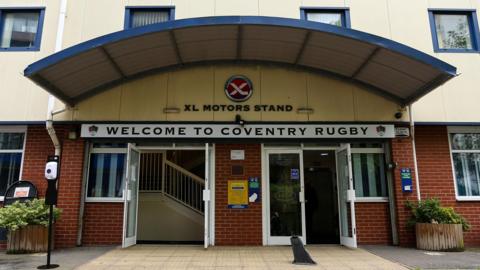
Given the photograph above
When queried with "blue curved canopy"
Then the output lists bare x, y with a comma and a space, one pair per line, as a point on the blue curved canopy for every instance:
386, 67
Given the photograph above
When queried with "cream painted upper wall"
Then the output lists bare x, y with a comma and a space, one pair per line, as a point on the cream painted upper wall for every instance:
145, 99
405, 21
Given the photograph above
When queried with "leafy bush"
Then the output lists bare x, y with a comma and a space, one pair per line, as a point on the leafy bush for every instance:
430, 211
18, 214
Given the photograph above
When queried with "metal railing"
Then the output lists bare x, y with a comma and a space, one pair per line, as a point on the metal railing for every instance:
163, 176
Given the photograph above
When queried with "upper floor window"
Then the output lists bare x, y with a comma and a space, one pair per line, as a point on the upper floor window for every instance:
141, 16
333, 16
465, 148
454, 31
21, 29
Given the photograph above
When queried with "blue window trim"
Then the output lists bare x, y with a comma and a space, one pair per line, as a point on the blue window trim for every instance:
344, 10
473, 24
38, 36
128, 12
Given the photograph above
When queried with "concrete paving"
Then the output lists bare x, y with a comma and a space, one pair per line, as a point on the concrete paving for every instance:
234, 258
195, 257
421, 259
70, 258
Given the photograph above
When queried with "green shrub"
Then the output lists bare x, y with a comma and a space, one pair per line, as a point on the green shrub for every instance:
19, 214
430, 211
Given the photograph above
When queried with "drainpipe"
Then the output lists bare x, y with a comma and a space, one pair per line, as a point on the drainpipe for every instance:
414, 151
51, 99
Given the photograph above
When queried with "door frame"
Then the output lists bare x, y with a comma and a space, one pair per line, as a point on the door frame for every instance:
130, 241
347, 241
209, 223
280, 240
266, 192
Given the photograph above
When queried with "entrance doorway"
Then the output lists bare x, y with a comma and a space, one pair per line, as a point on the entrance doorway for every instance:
310, 194
321, 205
167, 195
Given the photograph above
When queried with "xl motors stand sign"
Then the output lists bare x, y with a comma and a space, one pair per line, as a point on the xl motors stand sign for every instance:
252, 131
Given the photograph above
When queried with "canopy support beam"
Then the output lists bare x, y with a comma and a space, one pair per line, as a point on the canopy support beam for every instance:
365, 63
112, 62
302, 48
173, 39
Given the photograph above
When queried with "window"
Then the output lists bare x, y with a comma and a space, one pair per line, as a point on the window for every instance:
106, 172
369, 173
454, 31
465, 148
141, 16
11, 152
333, 16
21, 29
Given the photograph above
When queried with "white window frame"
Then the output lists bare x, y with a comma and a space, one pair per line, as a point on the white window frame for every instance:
15, 129
113, 150
379, 150
460, 129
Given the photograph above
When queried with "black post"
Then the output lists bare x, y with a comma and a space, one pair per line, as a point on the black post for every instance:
50, 200
49, 247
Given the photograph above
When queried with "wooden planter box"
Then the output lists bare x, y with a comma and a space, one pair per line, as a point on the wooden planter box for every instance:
439, 237
29, 239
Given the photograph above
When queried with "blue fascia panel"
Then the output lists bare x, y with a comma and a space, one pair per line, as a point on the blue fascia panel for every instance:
240, 20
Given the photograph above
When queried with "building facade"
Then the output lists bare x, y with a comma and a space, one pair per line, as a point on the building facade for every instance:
242, 122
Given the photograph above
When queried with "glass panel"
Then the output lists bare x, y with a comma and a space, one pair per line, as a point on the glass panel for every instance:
367, 145
9, 170
467, 173
369, 175
105, 178
11, 141
141, 18
453, 31
466, 141
334, 18
109, 145
343, 179
132, 187
19, 29
285, 207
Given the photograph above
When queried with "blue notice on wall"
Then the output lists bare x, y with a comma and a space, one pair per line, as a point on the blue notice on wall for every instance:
295, 174
253, 189
406, 176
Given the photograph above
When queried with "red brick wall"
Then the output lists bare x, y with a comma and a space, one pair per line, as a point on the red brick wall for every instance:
436, 177
37, 148
402, 154
236, 226
103, 224
373, 223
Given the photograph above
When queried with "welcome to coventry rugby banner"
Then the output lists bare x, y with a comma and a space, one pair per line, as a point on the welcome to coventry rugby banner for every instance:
307, 131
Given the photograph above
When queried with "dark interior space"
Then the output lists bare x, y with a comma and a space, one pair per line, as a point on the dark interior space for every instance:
321, 207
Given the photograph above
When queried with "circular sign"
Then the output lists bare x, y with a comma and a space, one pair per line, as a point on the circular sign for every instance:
238, 88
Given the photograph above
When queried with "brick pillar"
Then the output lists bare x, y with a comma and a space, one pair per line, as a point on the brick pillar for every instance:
38, 147
236, 226
402, 154
69, 191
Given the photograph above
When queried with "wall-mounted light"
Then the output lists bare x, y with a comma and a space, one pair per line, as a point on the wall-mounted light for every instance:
304, 110
72, 135
171, 110
239, 120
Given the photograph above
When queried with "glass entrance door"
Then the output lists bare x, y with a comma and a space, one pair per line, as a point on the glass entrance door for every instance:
131, 197
346, 197
286, 203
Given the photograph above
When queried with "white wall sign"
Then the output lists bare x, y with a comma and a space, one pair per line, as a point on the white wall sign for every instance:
294, 131
237, 154
21, 192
